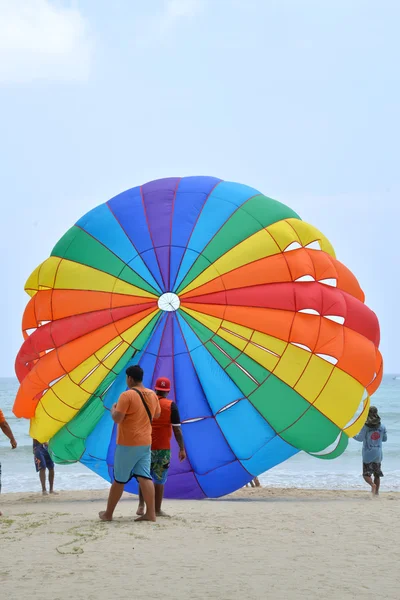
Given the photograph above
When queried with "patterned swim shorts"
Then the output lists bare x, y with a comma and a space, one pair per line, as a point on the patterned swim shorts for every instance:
160, 460
373, 468
42, 458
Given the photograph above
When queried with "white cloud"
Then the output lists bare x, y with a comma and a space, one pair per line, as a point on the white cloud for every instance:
40, 40
158, 26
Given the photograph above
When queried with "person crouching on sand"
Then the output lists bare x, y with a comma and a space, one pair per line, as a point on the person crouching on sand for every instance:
43, 461
6, 429
133, 414
372, 435
168, 422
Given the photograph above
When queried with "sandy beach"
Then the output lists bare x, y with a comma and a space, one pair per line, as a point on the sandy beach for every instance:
286, 544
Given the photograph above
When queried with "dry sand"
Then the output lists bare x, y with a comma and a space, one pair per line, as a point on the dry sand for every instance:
274, 544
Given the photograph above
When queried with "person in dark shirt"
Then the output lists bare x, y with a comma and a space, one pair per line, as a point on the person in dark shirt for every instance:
43, 461
168, 422
372, 435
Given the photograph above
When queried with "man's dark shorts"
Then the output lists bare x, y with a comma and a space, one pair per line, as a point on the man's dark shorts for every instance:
373, 468
42, 458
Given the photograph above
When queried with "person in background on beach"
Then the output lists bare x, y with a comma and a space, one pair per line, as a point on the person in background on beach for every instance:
254, 483
43, 461
133, 414
372, 435
6, 429
168, 422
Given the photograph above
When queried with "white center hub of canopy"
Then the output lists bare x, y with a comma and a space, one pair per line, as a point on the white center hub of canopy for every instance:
169, 302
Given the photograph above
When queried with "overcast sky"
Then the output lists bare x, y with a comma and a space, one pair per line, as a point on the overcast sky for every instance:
298, 98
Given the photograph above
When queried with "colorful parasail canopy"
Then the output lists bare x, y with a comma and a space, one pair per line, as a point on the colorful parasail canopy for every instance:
263, 333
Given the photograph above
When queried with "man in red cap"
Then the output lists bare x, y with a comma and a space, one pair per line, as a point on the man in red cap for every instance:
168, 422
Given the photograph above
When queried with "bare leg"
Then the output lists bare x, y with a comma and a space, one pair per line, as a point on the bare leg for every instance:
368, 479
159, 493
51, 481
377, 481
147, 487
114, 497
256, 481
42, 477
140, 510
252, 483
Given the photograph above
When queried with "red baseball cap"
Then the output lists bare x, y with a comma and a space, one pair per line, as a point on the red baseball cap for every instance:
163, 384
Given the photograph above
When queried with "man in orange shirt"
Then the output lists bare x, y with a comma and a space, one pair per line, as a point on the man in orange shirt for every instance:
6, 429
168, 422
133, 414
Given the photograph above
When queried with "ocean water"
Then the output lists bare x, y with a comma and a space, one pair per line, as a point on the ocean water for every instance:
301, 471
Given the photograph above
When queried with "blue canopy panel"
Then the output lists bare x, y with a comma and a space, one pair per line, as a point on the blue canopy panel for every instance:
102, 225
128, 210
223, 201
191, 196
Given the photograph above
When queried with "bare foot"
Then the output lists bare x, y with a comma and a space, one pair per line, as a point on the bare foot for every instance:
103, 516
54, 493
145, 518
44, 492
373, 489
140, 511
161, 513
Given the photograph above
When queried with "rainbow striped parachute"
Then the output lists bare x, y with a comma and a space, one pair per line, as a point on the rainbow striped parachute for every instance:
264, 334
